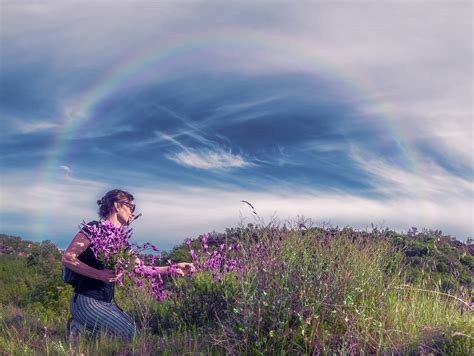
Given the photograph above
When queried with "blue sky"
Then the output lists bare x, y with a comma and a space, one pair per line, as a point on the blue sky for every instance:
347, 113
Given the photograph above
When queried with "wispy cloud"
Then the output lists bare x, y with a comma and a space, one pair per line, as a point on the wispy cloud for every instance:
26, 127
207, 159
202, 158
426, 181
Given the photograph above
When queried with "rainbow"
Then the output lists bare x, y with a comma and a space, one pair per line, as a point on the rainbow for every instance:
130, 68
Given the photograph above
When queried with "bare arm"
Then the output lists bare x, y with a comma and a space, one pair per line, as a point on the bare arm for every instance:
179, 269
70, 259
162, 270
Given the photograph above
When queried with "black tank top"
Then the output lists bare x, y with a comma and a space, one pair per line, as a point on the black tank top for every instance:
91, 287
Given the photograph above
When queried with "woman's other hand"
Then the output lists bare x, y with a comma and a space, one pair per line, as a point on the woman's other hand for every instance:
176, 271
187, 268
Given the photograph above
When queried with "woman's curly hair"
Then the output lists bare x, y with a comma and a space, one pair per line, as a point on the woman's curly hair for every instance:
106, 203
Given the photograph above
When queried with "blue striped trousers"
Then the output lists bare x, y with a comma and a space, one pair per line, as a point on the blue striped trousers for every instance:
96, 316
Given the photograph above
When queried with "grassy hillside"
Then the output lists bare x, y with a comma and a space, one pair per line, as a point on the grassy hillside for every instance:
300, 290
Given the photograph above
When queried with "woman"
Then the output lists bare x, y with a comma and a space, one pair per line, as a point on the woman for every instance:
91, 304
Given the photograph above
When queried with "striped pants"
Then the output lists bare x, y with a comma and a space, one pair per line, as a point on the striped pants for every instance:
98, 316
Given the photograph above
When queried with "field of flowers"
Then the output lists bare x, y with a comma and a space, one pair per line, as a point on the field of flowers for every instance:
274, 290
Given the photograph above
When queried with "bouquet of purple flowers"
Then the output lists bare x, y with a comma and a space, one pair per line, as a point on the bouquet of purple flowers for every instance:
111, 246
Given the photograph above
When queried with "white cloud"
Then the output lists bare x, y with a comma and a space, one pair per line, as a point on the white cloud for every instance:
25, 127
208, 159
46, 211
188, 212
65, 169
436, 200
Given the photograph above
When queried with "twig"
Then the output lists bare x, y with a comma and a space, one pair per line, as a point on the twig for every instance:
457, 333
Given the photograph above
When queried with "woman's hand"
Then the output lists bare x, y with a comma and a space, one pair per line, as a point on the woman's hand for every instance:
107, 275
78, 245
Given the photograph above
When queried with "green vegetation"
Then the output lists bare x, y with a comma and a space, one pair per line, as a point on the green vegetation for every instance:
304, 291
30, 274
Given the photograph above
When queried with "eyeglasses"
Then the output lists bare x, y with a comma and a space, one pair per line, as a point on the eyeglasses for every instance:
131, 206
